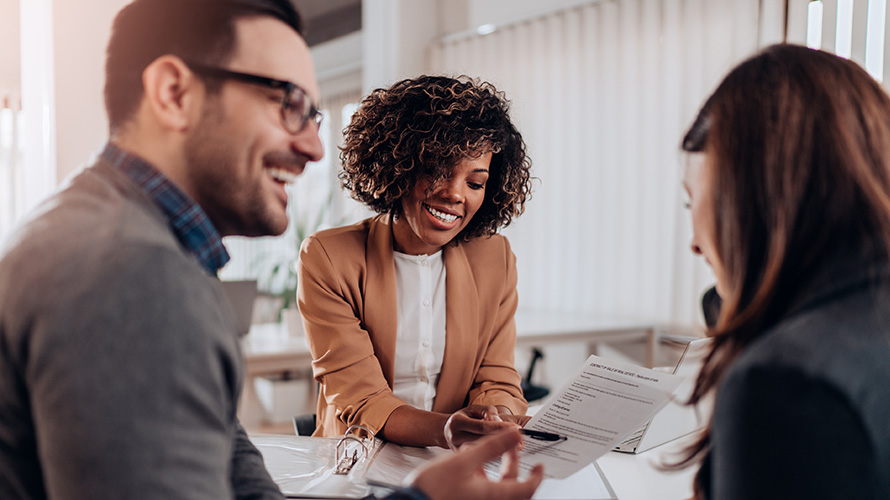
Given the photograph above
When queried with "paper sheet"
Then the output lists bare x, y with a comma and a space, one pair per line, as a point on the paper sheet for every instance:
393, 463
303, 467
602, 404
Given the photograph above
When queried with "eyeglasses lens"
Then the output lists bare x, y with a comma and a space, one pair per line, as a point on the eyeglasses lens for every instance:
295, 110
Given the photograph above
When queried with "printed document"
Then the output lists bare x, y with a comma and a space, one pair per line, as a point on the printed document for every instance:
598, 408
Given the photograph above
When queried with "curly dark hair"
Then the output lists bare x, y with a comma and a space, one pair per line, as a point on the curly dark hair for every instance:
420, 128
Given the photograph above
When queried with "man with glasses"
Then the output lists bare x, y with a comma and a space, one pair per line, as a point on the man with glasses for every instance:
119, 363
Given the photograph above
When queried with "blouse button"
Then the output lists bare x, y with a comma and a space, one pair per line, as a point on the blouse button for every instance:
426, 302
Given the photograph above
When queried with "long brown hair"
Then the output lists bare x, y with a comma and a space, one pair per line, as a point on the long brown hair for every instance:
799, 141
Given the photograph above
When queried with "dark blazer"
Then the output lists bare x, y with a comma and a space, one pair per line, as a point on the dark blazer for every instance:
804, 412
347, 296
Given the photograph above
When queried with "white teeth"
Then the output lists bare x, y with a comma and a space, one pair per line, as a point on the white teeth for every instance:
442, 216
282, 175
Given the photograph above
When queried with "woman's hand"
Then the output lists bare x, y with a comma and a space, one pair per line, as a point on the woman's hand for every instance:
507, 415
461, 476
474, 421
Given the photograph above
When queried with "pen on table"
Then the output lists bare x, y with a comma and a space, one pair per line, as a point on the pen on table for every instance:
543, 436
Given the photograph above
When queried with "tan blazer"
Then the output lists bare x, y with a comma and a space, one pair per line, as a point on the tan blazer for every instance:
347, 296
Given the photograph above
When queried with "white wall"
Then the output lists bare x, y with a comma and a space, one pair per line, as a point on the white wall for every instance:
81, 32
10, 76
398, 48
397, 34
508, 11
453, 15
602, 94
36, 172
10, 97
338, 64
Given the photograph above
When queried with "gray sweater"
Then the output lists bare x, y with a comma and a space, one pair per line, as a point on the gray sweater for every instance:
120, 366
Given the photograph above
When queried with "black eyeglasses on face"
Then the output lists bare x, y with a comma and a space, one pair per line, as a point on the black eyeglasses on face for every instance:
297, 109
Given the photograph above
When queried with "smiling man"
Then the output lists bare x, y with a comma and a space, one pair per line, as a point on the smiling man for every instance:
120, 366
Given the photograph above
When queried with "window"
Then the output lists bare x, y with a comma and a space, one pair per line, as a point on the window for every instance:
850, 28
315, 202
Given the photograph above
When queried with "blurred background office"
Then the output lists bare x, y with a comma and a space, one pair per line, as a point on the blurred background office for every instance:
600, 89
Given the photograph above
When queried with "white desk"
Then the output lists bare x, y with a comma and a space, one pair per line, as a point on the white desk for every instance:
632, 477
268, 350
637, 477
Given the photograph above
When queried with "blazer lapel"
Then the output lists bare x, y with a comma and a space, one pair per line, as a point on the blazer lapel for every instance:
461, 330
381, 311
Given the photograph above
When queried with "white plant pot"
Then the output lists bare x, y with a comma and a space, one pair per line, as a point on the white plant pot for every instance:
282, 398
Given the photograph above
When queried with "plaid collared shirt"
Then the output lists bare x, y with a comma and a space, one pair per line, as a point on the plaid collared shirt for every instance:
186, 218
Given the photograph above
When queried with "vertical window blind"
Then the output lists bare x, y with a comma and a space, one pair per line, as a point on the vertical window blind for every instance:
855, 29
602, 94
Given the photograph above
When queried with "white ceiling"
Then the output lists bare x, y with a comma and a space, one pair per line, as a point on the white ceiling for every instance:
325, 20
315, 8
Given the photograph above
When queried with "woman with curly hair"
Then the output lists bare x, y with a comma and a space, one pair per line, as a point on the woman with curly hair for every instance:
409, 314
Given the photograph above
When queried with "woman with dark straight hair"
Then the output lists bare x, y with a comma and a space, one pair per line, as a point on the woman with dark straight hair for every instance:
789, 183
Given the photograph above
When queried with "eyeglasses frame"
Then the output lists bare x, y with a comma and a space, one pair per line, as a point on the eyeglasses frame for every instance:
273, 83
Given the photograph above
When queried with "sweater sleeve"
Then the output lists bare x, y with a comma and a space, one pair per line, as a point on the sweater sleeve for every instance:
250, 479
134, 381
779, 433
350, 375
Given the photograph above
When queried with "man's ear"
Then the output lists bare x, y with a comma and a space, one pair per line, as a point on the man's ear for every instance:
173, 92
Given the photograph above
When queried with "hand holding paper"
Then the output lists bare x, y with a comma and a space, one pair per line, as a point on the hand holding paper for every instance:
602, 404
473, 422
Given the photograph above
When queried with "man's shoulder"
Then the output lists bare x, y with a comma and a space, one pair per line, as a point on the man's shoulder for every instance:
93, 222
97, 205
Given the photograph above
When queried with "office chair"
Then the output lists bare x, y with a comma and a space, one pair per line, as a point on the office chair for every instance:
304, 425
710, 306
531, 391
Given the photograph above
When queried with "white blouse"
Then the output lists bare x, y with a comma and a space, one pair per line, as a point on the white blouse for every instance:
420, 341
